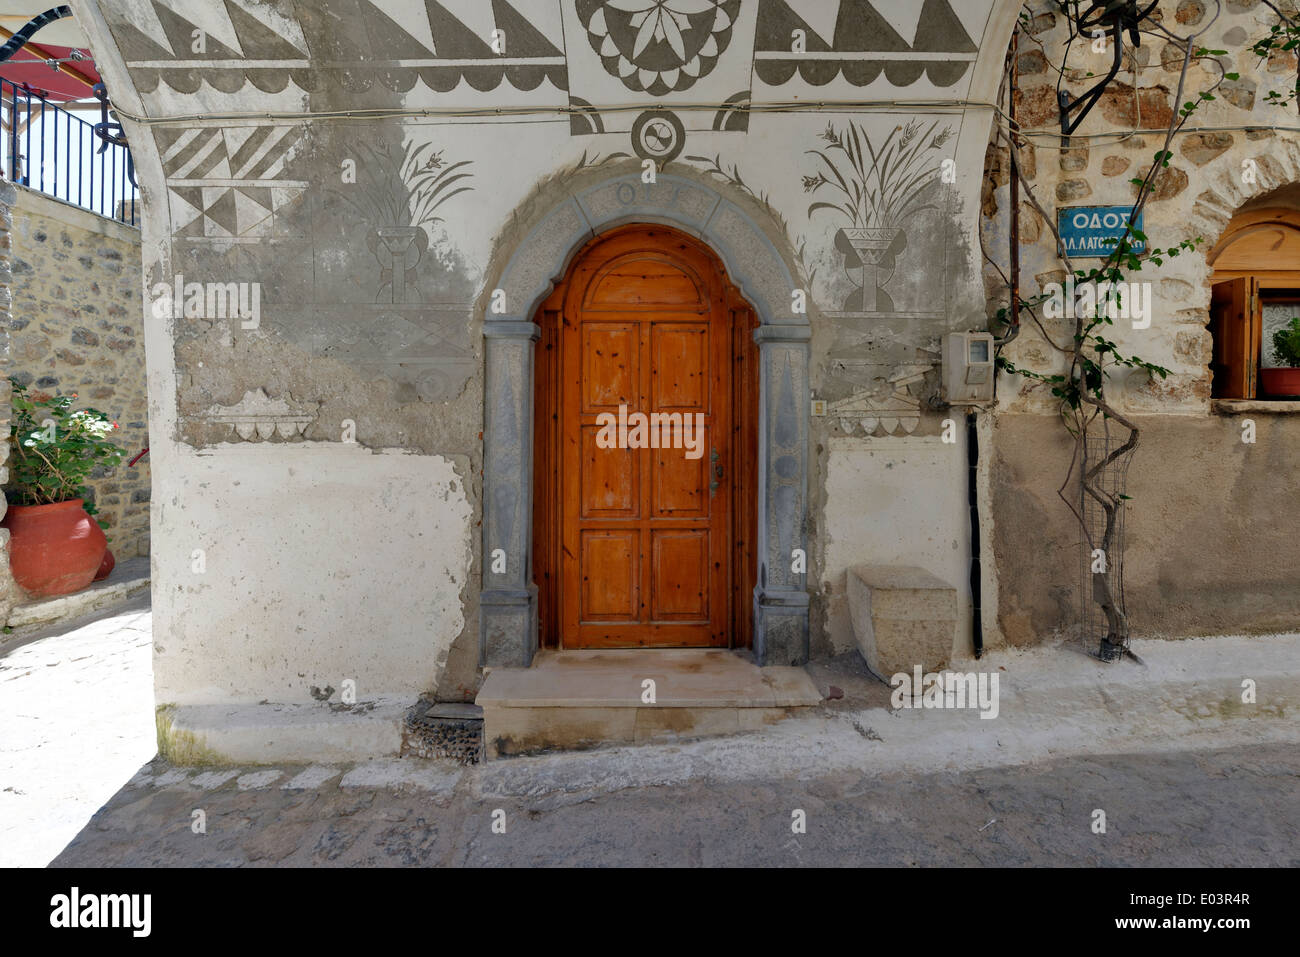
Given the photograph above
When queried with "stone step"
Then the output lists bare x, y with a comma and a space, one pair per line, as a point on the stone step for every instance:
581, 699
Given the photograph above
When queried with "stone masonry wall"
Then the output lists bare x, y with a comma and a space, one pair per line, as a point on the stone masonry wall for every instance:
1209, 514
76, 327
1193, 199
8, 591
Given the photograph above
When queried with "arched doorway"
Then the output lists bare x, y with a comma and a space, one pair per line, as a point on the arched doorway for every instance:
508, 601
645, 474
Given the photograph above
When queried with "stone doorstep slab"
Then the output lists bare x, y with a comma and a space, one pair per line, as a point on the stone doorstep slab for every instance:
684, 678
282, 733
127, 578
519, 731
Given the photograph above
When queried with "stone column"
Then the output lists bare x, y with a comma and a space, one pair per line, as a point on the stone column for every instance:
781, 596
508, 610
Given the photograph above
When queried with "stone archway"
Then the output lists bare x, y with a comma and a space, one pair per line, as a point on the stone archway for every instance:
508, 601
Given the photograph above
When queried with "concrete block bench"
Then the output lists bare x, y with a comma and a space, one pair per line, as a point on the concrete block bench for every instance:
903, 616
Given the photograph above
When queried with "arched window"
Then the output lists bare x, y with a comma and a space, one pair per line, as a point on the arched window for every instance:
1256, 292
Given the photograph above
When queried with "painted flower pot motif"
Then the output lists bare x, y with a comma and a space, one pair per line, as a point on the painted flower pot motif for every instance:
53, 549
398, 251
871, 244
1280, 383
878, 187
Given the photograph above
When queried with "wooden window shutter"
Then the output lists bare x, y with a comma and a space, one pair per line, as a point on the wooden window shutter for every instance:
1236, 323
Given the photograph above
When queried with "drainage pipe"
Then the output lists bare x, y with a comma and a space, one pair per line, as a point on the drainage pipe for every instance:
972, 497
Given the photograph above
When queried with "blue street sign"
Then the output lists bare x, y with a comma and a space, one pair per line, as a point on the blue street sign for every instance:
1093, 231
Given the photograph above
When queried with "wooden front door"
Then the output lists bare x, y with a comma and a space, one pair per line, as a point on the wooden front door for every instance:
638, 364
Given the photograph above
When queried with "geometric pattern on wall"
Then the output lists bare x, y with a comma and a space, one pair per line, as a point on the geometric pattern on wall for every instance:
225, 212
658, 49
247, 153
395, 43
657, 46
868, 43
226, 183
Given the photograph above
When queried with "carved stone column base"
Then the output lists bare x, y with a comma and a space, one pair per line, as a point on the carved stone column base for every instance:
780, 627
508, 627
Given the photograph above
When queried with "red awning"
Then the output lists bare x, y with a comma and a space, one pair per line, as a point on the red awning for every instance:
29, 67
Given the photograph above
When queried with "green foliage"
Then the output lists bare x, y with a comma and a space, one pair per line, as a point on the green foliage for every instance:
1282, 37
1098, 352
1286, 344
54, 448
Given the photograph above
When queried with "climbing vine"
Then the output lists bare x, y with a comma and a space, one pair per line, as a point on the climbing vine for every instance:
1091, 354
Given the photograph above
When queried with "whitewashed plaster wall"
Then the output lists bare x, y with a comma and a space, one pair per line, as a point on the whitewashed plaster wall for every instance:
326, 560
896, 501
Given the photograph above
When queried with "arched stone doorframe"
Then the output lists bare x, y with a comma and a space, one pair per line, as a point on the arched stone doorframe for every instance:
508, 601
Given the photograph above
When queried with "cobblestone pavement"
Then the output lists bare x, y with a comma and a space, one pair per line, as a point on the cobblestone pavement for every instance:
1228, 807
76, 721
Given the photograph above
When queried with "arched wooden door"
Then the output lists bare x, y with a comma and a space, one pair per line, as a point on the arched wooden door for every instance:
644, 467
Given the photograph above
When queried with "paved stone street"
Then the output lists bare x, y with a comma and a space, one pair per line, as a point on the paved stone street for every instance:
1188, 781
1231, 807
76, 720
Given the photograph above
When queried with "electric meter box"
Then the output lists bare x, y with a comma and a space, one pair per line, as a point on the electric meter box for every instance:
968, 368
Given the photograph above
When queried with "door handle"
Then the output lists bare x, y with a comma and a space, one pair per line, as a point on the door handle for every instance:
716, 459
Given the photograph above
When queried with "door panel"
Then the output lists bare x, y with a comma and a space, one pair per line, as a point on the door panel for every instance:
679, 376
613, 594
681, 567
611, 480
612, 365
646, 531
639, 280
680, 486
645, 547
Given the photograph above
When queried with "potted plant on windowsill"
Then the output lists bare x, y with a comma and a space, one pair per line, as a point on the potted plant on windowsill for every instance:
55, 546
1284, 381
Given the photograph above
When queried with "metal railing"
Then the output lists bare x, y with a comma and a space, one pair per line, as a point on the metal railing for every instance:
48, 148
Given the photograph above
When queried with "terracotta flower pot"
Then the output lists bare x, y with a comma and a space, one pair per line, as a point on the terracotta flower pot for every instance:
1280, 383
53, 549
106, 566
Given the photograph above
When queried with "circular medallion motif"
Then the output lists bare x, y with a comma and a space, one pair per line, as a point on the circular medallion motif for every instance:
658, 46
658, 135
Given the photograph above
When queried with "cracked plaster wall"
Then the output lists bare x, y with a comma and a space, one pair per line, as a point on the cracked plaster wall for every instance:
375, 238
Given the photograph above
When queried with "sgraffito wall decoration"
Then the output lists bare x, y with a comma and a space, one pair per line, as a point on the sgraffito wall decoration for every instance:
880, 212
370, 168
658, 47
401, 304
859, 42
226, 44
230, 184
364, 271
875, 192
379, 270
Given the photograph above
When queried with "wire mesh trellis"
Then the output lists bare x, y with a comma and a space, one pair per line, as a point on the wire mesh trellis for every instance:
1103, 612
